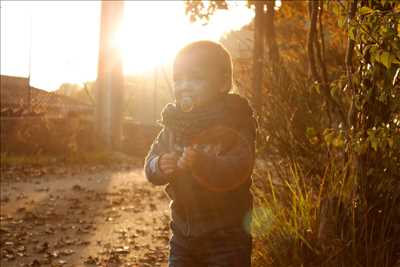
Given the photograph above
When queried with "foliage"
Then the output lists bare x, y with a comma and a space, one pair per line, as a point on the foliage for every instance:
375, 85
201, 10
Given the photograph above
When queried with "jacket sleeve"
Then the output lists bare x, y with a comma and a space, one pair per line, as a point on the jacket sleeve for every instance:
230, 170
160, 146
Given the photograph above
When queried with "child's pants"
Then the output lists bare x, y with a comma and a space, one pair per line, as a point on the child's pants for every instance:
229, 247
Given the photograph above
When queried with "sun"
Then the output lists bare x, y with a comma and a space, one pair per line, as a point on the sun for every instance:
146, 37
153, 31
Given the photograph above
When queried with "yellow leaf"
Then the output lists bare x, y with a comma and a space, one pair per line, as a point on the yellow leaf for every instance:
338, 141
365, 10
390, 142
385, 59
398, 29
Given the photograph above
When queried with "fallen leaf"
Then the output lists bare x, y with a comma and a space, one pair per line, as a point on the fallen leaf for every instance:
41, 248
67, 252
35, 263
77, 188
91, 260
121, 250
21, 248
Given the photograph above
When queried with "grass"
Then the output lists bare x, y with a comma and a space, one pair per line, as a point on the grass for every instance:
297, 222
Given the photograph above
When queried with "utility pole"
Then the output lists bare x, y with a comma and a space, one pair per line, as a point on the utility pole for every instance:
109, 84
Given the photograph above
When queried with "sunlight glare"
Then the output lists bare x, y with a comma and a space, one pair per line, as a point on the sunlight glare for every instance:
65, 37
154, 31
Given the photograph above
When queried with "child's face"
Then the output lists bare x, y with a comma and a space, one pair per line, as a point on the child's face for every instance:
196, 82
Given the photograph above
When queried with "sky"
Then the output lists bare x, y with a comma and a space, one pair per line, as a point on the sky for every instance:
57, 41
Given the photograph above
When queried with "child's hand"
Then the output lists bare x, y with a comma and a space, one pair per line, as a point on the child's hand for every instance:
188, 158
168, 163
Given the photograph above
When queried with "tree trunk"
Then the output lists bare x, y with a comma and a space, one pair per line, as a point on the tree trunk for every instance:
270, 37
109, 84
258, 56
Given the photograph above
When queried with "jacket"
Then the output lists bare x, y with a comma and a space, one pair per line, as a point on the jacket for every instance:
216, 193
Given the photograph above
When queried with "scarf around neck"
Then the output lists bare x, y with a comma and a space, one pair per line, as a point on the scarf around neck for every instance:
230, 110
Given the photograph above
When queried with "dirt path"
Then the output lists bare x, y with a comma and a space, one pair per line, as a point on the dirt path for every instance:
99, 218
